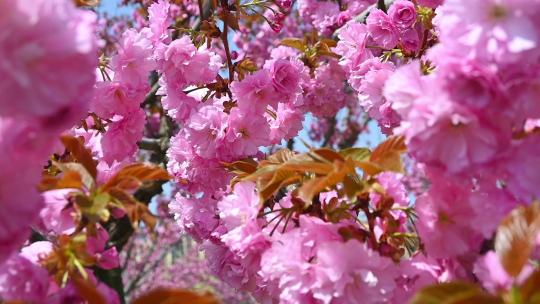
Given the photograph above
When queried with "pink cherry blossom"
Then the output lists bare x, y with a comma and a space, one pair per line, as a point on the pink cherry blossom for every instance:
246, 133
22, 280
112, 98
402, 13
48, 67
182, 64
134, 59
56, 216
206, 130
195, 216
285, 78
256, 92
382, 29
120, 140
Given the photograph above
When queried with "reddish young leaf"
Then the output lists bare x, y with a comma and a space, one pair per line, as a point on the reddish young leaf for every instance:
132, 176
454, 293
174, 296
516, 237
88, 291
70, 179
387, 156
82, 155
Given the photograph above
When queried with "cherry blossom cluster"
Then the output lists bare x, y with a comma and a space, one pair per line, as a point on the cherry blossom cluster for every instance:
217, 92
37, 104
469, 121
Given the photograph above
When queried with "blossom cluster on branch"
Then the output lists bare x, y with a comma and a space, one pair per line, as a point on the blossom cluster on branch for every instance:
214, 98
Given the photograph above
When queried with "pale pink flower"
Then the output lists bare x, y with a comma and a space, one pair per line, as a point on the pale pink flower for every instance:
492, 275
494, 30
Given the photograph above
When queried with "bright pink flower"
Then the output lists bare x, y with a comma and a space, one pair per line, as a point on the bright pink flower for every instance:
504, 31
352, 45
393, 186
402, 13
120, 140
106, 258
326, 94
112, 97
24, 148
133, 62
349, 271
291, 262
404, 87
182, 64
382, 29
430, 3
287, 124
520, 176
158, 17
410, 41
48, 66
472, 84
444, 218
22, 280
178, 105
369, 80
247, 132
195, 216
238, 212
227, 266
452, 139
192, 172
255, 92
285, 78
206, 130
241, 206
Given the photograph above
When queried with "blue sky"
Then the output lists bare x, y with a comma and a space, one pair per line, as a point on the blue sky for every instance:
111, 8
